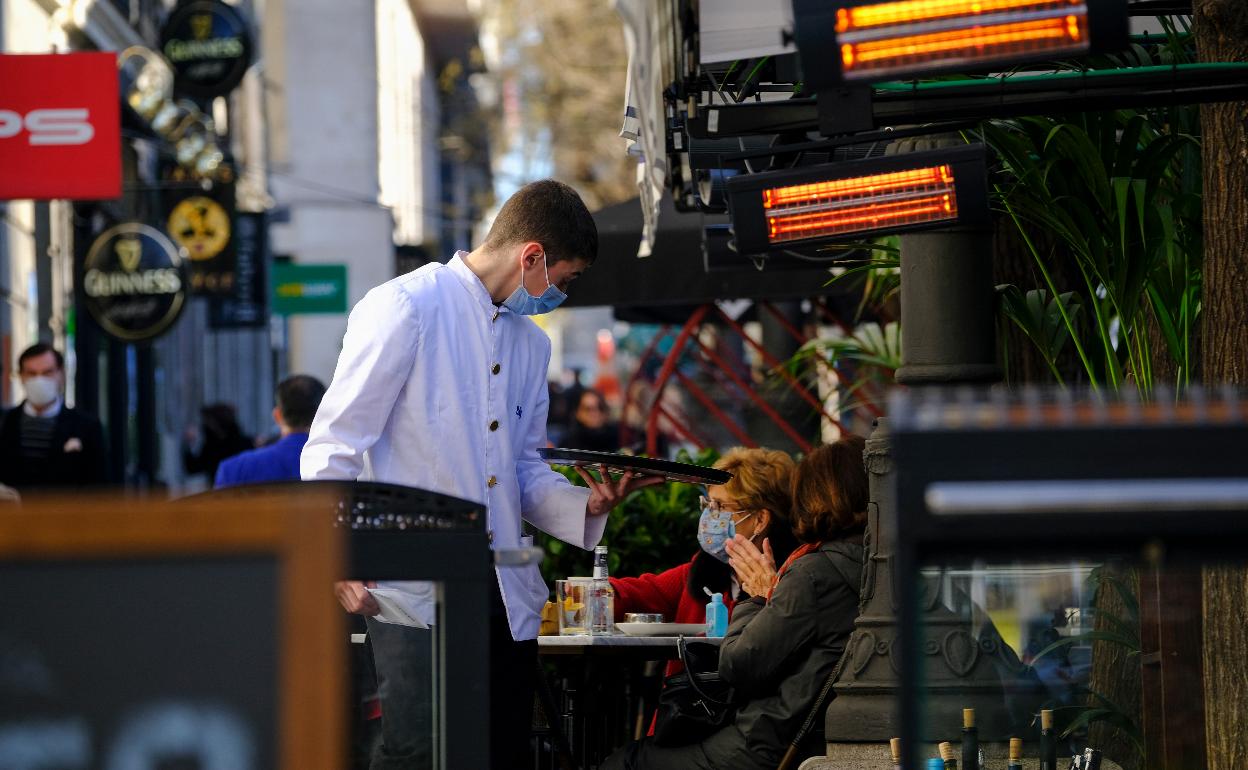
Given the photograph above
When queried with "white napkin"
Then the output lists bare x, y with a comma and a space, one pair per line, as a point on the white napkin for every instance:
405, 603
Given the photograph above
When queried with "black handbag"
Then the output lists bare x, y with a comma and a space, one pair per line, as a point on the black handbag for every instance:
696, 702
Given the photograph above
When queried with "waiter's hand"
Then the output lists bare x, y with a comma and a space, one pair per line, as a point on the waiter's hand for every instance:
9, 495
354, 597
604, 495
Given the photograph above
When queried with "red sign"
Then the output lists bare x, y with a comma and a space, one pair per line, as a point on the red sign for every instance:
60, 126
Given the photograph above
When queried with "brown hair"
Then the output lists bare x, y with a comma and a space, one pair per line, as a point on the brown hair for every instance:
761, 479
830, 491
549, 213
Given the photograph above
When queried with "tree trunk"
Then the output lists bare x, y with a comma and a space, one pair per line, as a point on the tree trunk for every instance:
1222, 35
1116, 675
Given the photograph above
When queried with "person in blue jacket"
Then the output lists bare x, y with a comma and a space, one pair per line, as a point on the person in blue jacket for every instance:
298, 398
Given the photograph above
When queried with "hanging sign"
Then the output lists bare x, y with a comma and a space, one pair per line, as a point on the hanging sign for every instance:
202, 223
60, 126
246, 306
299, 289
134, 281
208, 44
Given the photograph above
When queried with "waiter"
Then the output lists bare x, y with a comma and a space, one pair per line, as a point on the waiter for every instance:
441, 384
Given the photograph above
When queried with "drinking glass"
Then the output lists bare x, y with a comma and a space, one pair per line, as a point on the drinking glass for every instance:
572, 596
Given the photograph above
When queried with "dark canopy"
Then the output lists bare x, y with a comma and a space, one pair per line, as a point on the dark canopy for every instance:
675, 273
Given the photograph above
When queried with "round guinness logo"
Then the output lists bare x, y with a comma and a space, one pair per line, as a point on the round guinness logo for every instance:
208, 44
134, 279
201, 226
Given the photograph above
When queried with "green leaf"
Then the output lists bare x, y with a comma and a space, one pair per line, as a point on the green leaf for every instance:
1128, 641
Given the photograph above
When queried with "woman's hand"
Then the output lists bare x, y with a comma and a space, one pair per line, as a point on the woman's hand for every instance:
756, 570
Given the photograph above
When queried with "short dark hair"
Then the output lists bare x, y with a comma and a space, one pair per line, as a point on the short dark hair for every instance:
299, 396
831, 491
550, 213
38, 349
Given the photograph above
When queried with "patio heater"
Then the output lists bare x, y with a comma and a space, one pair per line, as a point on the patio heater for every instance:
873, 41
854, 200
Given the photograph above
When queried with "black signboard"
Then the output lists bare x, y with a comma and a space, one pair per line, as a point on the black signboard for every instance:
246, 306
208, 44
152, 635
134, 281
201, 222
172, 676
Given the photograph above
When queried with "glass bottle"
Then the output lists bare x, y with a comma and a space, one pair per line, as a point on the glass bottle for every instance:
1091, 759
1016, 754
970, 741
1048, 742
946, 756
601, 597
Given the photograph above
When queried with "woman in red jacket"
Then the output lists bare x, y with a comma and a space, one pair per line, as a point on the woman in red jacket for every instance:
755, 504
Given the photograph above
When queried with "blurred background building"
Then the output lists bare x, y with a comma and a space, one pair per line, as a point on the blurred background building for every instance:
349, 150
336, 145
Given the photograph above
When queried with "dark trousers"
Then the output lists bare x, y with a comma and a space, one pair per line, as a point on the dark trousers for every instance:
513, 682
404, 661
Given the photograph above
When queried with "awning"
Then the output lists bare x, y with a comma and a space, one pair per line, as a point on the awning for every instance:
675, 273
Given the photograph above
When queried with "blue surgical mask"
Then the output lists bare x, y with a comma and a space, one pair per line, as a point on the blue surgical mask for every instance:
524, 303
715, 529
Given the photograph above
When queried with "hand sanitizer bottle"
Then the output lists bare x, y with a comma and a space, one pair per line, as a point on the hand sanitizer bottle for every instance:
716, 616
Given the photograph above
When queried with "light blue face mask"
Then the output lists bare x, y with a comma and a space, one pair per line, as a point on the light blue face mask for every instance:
524, 303
715, 528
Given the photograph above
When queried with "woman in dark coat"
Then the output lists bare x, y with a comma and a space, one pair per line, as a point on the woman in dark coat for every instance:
784, 642
221, 436
758, 500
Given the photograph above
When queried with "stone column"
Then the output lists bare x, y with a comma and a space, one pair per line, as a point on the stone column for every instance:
948, 322
948, 336
961, 671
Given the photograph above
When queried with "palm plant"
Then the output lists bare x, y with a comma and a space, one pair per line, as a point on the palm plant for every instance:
1118, 194
1108, 188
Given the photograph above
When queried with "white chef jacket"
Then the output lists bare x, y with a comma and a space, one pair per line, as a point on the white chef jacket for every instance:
438, 388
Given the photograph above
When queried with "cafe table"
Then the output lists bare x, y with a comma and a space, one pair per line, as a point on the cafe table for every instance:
634, 647
596, 704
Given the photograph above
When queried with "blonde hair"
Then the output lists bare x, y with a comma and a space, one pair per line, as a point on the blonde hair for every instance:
761, 479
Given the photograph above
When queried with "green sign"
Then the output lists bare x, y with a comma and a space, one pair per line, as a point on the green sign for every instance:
309, 289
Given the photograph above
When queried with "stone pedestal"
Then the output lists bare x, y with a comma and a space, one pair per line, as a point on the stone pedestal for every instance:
961, 670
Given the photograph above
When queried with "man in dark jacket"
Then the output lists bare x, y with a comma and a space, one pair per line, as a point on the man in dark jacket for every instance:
45, 445
298, 398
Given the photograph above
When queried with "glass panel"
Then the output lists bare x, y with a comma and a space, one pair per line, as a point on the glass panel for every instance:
1079, 646
397, 672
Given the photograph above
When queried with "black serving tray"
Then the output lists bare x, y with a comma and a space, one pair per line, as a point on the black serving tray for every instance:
648, 466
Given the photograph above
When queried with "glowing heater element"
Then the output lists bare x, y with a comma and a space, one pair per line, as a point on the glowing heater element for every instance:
860, 204
903, 36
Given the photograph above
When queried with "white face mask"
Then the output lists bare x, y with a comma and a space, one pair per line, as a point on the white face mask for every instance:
41, 391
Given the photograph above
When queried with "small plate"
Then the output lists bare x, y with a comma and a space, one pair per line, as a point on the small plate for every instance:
661, 629
649, 466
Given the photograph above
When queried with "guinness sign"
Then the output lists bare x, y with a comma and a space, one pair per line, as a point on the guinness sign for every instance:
201, 222
134, 281
208, 44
